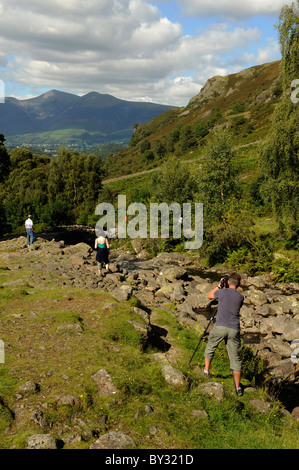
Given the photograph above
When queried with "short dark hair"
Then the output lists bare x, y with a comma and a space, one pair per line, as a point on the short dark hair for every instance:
235, 279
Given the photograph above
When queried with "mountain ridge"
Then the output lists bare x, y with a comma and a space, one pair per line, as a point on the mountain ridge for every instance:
100, 114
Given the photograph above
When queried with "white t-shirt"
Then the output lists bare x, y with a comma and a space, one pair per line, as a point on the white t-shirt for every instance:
28, 224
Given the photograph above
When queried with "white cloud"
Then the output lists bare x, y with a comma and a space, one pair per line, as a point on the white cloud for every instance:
232, 8
272, 50
122, 47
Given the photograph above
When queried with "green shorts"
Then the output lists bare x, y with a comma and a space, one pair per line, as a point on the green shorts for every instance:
232, 341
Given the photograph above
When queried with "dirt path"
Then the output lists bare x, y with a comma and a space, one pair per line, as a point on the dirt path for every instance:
139, 173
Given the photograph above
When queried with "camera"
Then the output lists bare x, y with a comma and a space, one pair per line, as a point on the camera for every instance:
224, 282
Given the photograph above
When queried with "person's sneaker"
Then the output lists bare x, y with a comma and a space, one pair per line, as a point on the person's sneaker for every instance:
205, 373
239, 392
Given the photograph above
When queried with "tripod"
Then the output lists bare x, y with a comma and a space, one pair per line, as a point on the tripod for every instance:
204, 333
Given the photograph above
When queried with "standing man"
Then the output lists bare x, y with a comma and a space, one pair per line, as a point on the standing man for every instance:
29, 230
227, 327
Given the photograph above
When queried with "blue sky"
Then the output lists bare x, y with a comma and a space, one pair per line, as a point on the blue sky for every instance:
138, 50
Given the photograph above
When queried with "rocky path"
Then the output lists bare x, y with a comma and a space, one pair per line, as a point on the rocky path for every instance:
171, 282
270, 312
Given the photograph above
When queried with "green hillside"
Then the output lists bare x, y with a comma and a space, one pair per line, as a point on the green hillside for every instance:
242, 102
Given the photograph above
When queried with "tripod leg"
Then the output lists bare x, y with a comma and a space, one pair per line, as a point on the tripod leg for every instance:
204, 334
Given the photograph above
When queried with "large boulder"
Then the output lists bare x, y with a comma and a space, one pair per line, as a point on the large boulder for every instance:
113, 440
255, 297
213, 389
173, 376
104, 382
287, 327
173, 273
41, 441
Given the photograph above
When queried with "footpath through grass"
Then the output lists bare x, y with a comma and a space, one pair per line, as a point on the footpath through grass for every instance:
58, 338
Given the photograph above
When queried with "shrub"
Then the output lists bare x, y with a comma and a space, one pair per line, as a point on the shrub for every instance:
238, 108
285, 270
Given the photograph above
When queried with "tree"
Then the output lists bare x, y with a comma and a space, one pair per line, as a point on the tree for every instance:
25, 189
4, 160
160, 149
289, 42
174, 182
175, 135
187, 138
201, 130
144, 145
217, 179
279, 156
75, 178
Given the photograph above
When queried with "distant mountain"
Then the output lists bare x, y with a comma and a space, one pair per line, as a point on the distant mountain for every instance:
67, 118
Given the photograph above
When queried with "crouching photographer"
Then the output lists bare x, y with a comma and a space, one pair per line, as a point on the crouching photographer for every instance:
227, 326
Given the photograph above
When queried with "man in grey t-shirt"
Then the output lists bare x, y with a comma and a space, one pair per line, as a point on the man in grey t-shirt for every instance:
227, 327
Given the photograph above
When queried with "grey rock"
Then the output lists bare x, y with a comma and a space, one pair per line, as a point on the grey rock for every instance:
38, 418
295, 414
113, 440
18, 282
213, 389
149, 409
122, 293
255, 297
259, 281
28, 387
173, 376
173, 272
71, 326
41, 441
260, 405
73, 438
104, 382
199, 413
142, 313
67, 400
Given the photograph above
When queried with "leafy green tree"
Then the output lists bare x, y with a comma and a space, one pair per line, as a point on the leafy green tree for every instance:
28, 176
233, 240
279, 156
201, 130
144, 145
238, 108
289, 42
174, 182
187, 139
148, 155
25, 189
76, 178
175, 135
16, 212
160, 149
217, 179
4, 160
58, 213
93, 174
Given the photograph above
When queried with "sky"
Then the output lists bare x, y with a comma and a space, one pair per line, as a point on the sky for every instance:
136, 50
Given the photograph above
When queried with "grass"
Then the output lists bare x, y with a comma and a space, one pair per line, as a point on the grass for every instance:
41, 345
